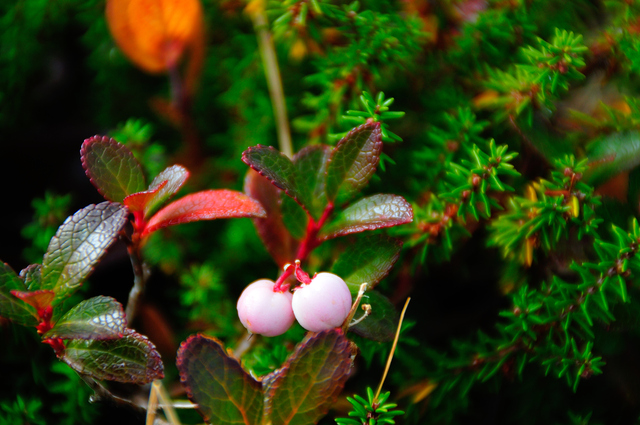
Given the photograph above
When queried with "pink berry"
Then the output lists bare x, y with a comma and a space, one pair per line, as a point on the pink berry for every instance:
322, 304
263, 311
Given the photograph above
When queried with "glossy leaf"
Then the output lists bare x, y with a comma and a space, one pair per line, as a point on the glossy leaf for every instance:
205, 205
381, 324
78, 245
32, 276
311, 166
310, 380
11, 307
111, 168
271, 229
155, 33
611, 155
222, 390
370, 213
353, 161
369, 259
131, 359
96, 318
278, 169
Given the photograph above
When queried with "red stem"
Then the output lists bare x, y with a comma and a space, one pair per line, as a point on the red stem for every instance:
308, 244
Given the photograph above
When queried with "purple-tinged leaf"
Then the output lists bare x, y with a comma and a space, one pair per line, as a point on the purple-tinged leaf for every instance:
278, 169
311, 166
111, 168
32, 276
175, 176
381, 324
310, 380
271, 229
353, 161
223, 391
369, 259
370, 213
205, 205
139, 201
96, 318
11, 307
78, 245
130, 359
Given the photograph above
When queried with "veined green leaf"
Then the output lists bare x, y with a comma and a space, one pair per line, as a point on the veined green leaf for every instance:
112, 168
96, 318
370, 213
11, 307
368, 259
78, 245
223, 391
353, 161
310, 380
131, 359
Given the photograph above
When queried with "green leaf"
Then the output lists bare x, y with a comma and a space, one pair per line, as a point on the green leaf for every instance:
11, 307
131, 359
370, 213
369, 259
310, 380
223, 391
381, 324
633, 192
111, 168
277, 168
353, 162
271, 229
294, 217
78, 245
311, 166
96, 318
32, 276
612, 155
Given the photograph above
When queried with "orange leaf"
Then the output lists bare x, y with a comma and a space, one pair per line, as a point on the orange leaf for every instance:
155, 33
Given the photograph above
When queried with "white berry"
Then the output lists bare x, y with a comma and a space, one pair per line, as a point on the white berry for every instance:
322, 304
265, 311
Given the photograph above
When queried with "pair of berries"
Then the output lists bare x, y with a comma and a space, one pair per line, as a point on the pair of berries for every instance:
321, 304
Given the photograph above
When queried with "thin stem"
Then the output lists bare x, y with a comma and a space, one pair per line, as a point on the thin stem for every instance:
393, 349
152, 405
245, 343
140, 276
274, 81
181, 99
166, 404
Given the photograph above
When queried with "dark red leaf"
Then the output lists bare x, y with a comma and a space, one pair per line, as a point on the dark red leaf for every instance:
206, 205
271, 229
